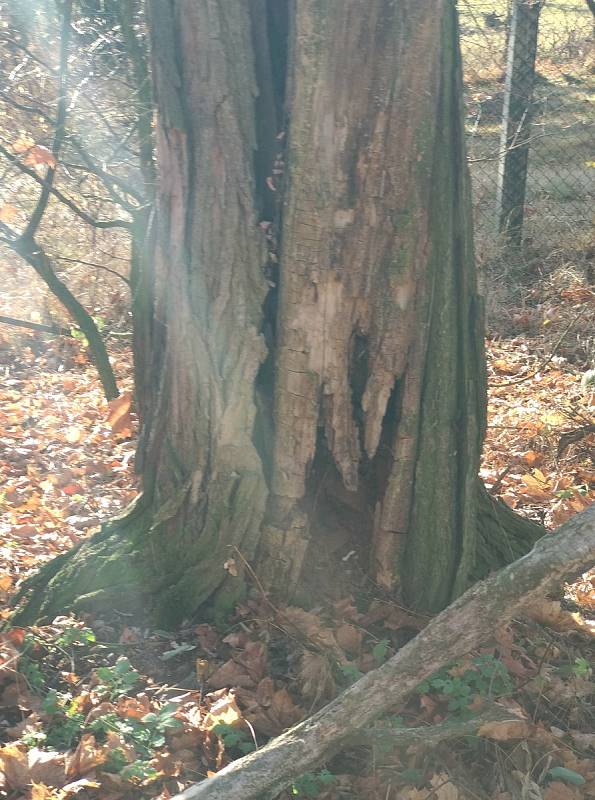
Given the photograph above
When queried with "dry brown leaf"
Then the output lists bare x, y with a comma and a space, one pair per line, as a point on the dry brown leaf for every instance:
75, 787
230, 674
411, 793
15, 766
315, 677
133, 707
562, 791
349, 638
503, 731
46, 767
39, 791
279, 714
8, 213
265, 691
284, 709
586, 741
119, 418
443, 788
38, 154
394, 617
254, 659
310, 626
550, 613
73, 434
224, 711
86, 757
23, 143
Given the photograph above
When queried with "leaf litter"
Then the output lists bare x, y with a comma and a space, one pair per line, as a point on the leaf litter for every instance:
105, 709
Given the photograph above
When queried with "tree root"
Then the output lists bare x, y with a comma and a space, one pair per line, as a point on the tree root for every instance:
503, 535
103, 572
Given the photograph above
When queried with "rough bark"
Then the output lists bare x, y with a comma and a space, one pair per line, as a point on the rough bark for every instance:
380, 355
470, 620
365, 409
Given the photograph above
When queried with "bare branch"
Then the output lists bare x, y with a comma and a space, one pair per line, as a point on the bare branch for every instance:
90, 165
96, 223
93, 264
44, 196
36, 257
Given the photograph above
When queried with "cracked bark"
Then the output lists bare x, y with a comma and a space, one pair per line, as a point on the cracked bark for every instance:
370, 403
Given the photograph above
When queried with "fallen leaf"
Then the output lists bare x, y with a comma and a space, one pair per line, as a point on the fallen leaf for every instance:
39, 791
38, 154
73, 434
504, 731
119, 418
443, 788
86, 757
14, 765
315, 677
551, 614
228, 675
224, 711
75, 787
557, 790
349, 638
8, 213
231, 567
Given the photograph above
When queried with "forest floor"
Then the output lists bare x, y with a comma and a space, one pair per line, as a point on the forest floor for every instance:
106, 709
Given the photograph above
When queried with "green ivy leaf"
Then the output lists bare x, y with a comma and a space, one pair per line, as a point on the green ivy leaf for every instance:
566, 775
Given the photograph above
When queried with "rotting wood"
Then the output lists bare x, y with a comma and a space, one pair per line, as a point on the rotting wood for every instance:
464, 625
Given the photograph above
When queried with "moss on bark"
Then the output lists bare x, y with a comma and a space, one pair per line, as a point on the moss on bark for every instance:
502, 534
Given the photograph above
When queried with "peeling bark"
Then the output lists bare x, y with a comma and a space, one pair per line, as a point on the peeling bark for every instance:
377, 250
350, 396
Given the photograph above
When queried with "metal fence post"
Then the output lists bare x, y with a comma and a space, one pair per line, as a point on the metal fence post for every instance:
516, 118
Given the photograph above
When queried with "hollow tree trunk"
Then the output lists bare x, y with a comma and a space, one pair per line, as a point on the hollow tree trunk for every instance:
351, 394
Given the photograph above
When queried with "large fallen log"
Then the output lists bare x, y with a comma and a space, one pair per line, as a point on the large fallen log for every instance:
460, 628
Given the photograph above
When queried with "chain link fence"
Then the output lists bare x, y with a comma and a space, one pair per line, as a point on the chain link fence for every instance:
529, 90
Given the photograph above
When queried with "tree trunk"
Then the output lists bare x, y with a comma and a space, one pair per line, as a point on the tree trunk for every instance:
344, 397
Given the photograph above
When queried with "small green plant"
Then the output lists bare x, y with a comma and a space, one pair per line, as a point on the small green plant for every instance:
311, 784
77, 334
487, 676
119, 679
31, 672
34, 739
582, 668
234, 738
75, 636
350, 672
145, 735
66, 723
139, 772
380, 651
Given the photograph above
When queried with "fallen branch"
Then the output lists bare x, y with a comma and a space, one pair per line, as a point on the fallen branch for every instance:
431, 735
459, 629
